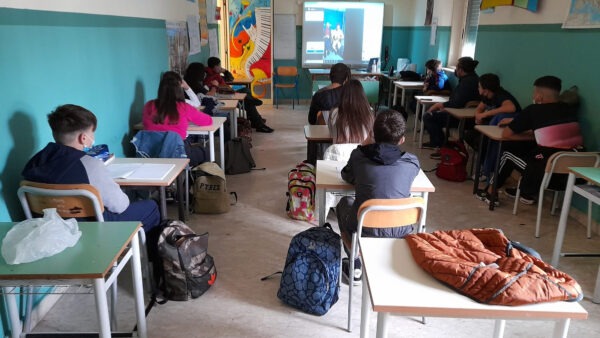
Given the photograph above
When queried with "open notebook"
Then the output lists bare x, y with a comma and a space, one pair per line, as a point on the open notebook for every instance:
140, 171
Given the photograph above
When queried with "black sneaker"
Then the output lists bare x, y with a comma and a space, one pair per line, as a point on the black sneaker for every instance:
510, 192
357, 271
264, 129
528, 200
483, 195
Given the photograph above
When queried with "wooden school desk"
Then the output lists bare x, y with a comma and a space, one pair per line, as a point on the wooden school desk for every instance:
394, 283
329, 180
424, 101
494, 133
462, 115
590, 192
230, 106
315, 134
405, 85
90, 261
237, 97
179, 166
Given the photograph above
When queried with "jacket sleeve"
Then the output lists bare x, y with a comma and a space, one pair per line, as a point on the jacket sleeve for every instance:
193, 98
312, 111
348, 171
113, 198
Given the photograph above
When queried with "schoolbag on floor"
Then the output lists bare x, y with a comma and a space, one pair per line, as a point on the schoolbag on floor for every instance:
187, 269
238, 159
210, 190
310, 278
244, 129
453, 165
301, 192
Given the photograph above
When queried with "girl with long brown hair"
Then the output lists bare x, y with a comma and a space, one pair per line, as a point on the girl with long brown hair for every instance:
352, 120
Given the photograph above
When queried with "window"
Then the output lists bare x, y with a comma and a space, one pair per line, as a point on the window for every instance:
465, 23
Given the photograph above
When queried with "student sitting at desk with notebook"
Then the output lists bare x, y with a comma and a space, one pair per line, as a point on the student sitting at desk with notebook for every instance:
65, 162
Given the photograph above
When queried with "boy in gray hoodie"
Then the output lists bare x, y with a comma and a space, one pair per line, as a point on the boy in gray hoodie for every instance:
378, 170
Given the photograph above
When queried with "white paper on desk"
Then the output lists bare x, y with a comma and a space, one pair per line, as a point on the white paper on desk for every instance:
137, 171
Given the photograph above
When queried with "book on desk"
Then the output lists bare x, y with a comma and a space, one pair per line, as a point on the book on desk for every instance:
140, 171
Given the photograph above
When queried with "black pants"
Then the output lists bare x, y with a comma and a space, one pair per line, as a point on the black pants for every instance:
434, 124
250, 106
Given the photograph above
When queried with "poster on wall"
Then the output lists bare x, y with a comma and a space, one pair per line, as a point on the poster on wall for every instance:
583, 14
250, 43
177, 38
194, 33
203, 23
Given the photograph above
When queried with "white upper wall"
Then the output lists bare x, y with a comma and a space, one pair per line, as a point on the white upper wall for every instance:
554, 11
397, 13
154, 9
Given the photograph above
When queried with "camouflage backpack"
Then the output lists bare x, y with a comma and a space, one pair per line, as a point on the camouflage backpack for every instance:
187, 269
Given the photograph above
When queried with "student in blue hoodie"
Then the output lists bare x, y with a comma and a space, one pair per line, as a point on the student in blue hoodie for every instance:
66, 162
378, 170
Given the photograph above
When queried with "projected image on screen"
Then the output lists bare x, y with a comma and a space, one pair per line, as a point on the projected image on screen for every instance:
335, 32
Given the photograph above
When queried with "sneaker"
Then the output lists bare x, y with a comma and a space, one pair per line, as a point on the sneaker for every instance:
510, 192
264, 129
436, 156
483, 195
429, 145
526, 200
357, 271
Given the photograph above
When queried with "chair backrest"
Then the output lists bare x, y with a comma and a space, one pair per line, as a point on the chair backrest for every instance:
70, 200
287, 71
388, 213
559, 162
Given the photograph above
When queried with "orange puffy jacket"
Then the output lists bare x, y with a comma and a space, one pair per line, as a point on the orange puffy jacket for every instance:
483, 265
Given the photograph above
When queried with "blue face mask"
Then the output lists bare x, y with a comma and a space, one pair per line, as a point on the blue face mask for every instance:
86, 148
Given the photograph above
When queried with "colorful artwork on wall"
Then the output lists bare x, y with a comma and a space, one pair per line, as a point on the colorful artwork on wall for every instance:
531, 5
250, 43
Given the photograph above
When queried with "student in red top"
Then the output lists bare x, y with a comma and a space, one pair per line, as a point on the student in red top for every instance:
169, 112
214, 79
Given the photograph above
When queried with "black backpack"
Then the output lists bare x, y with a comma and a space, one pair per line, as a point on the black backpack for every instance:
238, 159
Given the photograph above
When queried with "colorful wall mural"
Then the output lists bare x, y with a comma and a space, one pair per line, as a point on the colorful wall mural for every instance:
250, 43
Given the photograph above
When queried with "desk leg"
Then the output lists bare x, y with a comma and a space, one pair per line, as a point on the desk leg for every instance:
222, 146
596, 298
422, 125
494, 196
102, 307
211, 139
13, 312
181, 198
163, 202
403, 99
416, 120
395, 95
561, 328
499, 326
311, 152
382, 324
476, 160
365, 310
390, 97
562, 223
321, 206
233, 123
423, 225
138, 287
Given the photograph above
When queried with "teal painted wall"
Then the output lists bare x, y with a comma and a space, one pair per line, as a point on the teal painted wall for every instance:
521, 53
110, 65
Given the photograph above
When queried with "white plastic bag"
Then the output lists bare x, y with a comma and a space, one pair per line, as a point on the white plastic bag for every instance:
36, 238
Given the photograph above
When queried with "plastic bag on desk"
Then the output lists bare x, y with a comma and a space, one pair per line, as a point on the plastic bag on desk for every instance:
36, 238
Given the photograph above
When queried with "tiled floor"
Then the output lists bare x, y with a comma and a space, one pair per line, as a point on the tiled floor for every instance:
251, 241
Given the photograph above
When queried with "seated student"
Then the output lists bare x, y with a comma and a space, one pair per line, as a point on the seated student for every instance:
352, 120
436, 79
194, 77
378, 170
465, 91
496, 104
214, 80
329, 97
169, 112
555, 129
65, 162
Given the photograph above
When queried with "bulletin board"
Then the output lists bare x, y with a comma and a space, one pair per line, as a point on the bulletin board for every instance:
284, 34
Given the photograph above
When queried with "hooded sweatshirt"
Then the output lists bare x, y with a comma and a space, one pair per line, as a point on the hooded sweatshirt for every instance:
380, 170
60, 164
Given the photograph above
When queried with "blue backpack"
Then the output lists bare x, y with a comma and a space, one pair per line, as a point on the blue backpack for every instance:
310, 278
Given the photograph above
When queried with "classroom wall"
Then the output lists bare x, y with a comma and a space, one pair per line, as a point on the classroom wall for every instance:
536, 45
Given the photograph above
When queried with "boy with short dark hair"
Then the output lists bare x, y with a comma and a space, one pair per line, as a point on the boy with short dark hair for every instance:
66, 162
378, 170
329, 97
555, 128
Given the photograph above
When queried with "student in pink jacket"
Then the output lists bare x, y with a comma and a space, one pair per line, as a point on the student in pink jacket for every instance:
170, 112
